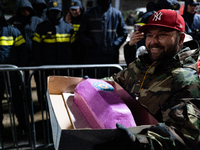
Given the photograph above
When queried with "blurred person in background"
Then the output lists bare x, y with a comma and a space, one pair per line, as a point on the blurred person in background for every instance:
12, 51
26, 21
74, 17
102, 32
192, 19
52, 38
40, 8
130, 20
52, 44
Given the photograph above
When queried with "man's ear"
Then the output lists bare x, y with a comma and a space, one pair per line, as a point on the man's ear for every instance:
181, 38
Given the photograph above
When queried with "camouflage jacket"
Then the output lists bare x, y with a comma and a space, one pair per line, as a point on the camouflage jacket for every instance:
170, 91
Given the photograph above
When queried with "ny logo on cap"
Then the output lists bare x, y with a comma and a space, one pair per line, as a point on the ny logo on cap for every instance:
157, 16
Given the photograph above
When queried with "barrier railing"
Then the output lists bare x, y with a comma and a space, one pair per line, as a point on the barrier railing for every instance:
33, 87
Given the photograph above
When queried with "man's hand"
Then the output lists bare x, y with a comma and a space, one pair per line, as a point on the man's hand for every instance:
136, 36
124, 141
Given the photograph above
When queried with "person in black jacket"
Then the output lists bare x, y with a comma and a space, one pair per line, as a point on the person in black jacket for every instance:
74, 17
26, 21
130, 20
13, 52
52, 42
102, 32
40, 8
192, 19
52, 38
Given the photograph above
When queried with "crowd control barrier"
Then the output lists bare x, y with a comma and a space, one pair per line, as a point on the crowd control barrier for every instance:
37, 134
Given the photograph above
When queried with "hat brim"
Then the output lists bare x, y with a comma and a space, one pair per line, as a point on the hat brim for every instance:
194, 3
145, 27
55, 8
74, 7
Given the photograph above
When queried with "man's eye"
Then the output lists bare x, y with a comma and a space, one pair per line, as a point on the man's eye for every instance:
148, 35
162, 35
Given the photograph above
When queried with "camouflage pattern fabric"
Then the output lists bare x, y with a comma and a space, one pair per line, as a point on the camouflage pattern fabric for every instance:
170, 91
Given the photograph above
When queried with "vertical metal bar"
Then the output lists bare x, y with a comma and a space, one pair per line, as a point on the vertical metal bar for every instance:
108, 72
33, 133
82, 72
44, 86
10, 106
95, 73
25, 103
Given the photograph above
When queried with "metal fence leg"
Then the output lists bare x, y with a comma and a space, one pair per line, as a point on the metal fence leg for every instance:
32, 122
10, 107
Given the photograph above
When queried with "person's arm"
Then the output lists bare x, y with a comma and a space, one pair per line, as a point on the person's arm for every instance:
37, 47
180, 124
121, 32
83, 34
129, 53
20, 46
130, 47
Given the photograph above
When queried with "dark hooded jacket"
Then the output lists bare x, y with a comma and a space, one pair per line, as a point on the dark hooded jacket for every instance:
40, 7
26, 25
12, 47
76, 45
102, 32
52, 40
192, 25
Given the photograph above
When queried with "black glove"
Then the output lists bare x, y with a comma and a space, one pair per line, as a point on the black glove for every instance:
123, 141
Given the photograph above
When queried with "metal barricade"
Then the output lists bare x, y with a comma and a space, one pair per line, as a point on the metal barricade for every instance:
38, 134
7, 82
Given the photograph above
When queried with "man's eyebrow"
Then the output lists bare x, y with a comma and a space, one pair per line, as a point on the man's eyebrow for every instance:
163, 30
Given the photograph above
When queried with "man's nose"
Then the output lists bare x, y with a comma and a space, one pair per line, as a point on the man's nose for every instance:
154, 39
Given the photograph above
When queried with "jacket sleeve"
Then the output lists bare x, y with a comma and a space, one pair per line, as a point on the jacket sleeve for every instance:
20, 46
83, 33
129, 53
121, 32
37, 48
180, 126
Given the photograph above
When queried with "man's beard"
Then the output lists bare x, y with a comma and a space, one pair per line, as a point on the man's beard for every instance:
167, 52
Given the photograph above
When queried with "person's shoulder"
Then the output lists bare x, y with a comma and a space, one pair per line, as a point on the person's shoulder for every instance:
12, 20
115, 10
65, 25
186, 79
62, 22
197, 15
185, 76
36, 18
43, 24
11, 28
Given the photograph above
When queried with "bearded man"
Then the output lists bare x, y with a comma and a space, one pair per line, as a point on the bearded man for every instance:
165, 82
